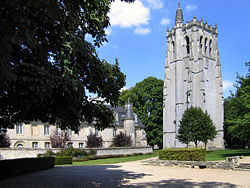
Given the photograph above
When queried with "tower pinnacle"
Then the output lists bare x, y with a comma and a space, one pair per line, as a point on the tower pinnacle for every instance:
179, 14
129, 113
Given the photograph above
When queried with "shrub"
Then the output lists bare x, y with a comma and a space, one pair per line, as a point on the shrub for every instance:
59, 140
48, 153
14, 167
196, 154
4, 141
122, 140
70, 151
79, 152
87, 158
94, 141
59, 160
91, 152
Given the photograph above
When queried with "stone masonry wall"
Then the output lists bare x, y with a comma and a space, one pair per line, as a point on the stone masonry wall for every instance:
15, 153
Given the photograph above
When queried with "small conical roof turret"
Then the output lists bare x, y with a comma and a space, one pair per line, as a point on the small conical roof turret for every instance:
179, 14
129, 113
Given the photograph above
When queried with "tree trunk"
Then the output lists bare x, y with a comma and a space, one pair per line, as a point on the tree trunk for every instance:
196, 144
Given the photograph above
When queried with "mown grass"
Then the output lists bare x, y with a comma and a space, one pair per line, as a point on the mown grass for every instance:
117, 160
218, 155
211, 156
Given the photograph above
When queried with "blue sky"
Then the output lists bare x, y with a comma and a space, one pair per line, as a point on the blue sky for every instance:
137, 36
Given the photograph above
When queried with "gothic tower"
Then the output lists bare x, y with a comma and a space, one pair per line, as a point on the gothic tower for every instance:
192, 77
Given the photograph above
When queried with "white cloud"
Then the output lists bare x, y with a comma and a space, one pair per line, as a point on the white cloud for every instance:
227, 84
108, 31
155, 4
190, 7
123, 89
129, 14
142, 31
165, 21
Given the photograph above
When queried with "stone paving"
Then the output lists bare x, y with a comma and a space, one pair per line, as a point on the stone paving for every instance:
130, 174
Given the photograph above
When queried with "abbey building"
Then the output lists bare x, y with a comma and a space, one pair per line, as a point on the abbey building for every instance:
192, 77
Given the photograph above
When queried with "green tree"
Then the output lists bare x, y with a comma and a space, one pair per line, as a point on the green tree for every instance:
122, 140
196, 126
4, 141
47, 67
237, 113
94, 141
59, 140
147, 99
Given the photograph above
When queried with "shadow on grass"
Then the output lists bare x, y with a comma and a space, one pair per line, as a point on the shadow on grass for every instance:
73, 176
236, 154
94, 176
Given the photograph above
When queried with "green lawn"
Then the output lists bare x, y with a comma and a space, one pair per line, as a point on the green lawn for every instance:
117, 160
211, 156
222, 154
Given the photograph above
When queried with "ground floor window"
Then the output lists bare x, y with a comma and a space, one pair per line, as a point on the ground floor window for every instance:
114, 132
70, 144
19, 146
47, 144
34, 144
80, 145
19, 129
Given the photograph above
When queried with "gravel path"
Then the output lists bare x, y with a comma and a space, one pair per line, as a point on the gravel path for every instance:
130, 174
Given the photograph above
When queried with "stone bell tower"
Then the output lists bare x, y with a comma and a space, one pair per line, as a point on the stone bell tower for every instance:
192, 77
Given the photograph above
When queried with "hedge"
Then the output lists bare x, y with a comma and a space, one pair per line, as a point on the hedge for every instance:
60, 160
196, 154
14, 167
94, 157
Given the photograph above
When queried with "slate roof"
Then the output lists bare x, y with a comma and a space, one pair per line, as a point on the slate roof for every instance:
122, 116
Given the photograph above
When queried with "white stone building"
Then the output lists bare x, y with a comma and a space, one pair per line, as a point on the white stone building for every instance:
37, 134
192, 77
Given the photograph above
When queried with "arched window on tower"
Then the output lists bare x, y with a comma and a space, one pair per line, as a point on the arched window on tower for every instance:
210, 48
173, 47
201, 40
205, 45
187, 44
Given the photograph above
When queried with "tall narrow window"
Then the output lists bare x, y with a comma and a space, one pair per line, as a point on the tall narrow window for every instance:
187, 44
205, 44
69, 132
114, 132
173, 47
96, 131
47, 144
210, 48
46, 129
19, 128
34, 144
80, 145
201, 40
58, 130
70, 144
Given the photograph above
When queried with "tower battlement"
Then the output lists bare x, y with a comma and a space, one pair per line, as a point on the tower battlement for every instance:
195, 23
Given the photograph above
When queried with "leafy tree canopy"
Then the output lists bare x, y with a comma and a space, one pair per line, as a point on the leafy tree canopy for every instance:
196, 126
122, 140
237, 113
147, 99
4, 141
47, 67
